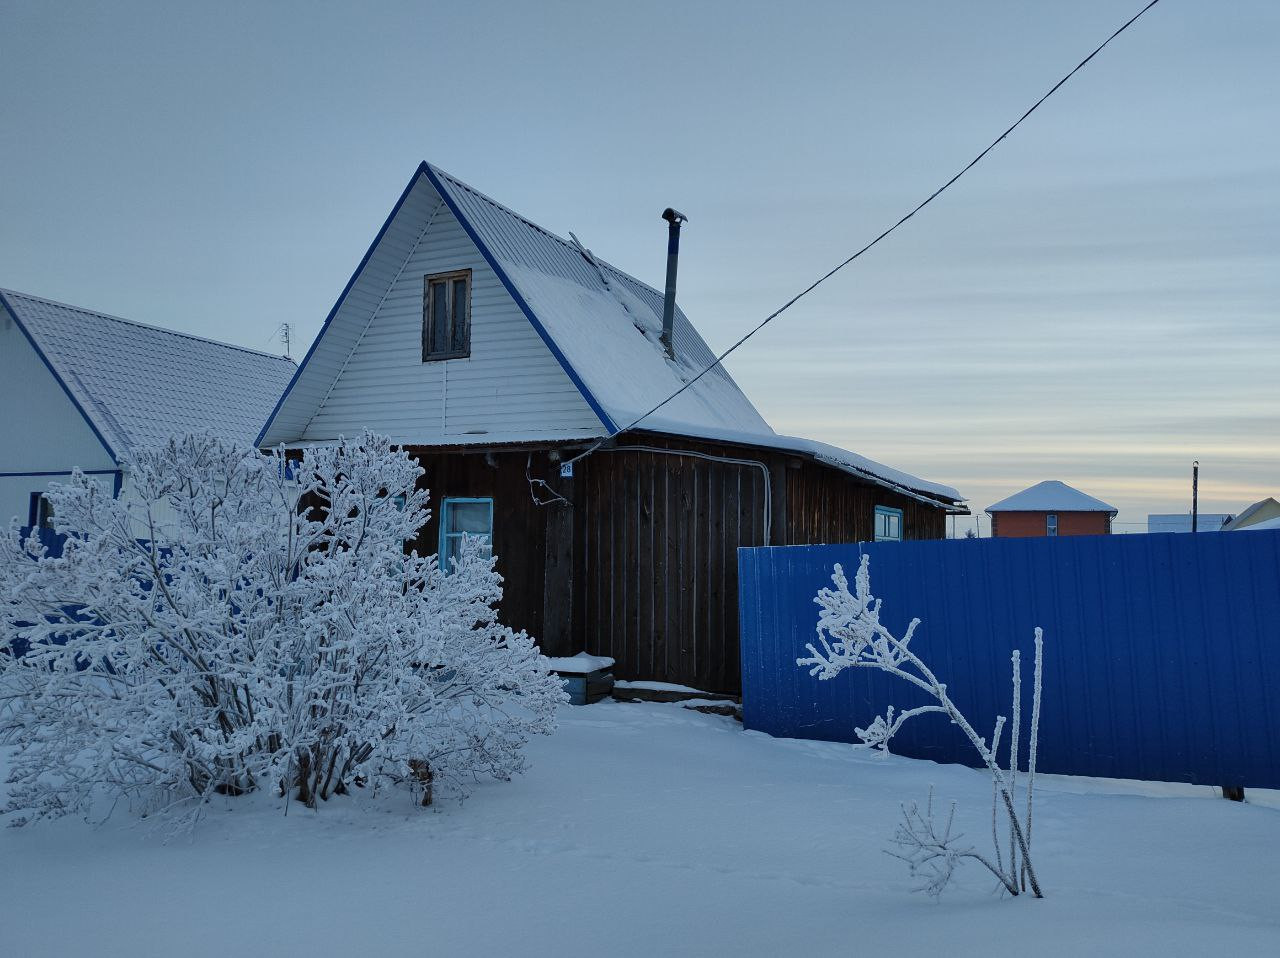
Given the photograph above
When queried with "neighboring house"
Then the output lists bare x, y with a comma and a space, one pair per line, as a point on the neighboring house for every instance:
83, 390
496, 351
1050, 508
1181, 521
1263, 513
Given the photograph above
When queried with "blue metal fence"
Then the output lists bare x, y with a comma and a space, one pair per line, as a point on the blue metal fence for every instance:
1162, 652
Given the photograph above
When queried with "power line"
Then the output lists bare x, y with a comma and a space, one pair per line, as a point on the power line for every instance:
838, 267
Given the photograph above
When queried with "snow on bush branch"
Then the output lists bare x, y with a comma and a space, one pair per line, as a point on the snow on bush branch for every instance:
851, 635
244, 622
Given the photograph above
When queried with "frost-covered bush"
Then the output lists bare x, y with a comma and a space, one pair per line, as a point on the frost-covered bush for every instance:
851, 635
267, 630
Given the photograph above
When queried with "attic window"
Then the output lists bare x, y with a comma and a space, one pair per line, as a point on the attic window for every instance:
446, 315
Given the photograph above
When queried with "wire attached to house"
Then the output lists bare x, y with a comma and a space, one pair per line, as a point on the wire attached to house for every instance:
535, 484
838, 267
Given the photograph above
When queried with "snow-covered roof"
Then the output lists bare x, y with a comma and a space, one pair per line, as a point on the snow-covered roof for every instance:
1245, 519
1051, 496
833, 456
601, 324
1266, 525
605, 322
137, 384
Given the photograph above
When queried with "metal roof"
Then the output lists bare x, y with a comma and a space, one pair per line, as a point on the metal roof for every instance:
598, 322
592, 312
137, 385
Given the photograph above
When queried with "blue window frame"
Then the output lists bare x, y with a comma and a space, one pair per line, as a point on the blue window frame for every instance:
463, 516
1051, 524
888, 524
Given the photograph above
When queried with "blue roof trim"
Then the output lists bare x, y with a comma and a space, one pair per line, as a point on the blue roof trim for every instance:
4, 301
422, 168
492, 260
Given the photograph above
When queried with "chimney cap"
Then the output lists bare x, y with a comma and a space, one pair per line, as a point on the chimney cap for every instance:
674, 216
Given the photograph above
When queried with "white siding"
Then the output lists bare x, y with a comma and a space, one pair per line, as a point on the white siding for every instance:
511, 383
40, 428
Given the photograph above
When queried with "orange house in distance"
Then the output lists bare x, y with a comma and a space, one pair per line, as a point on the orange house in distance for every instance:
1050, 508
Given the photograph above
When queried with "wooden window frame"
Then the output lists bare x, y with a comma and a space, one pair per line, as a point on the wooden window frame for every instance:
875, 523
448, 279
39, 503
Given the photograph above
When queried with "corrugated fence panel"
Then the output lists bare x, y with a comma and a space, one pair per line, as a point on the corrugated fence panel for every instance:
1162, 652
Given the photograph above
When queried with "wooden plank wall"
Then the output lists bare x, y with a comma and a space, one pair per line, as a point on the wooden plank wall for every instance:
666, 614
519, 525
826, 506
642, 566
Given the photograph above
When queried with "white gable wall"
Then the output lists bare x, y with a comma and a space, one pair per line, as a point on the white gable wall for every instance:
40, 429
511, 383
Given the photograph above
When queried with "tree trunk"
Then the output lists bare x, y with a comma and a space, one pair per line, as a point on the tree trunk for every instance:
304, 779
425, 777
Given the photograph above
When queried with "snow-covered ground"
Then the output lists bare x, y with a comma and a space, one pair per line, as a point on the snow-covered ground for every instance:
647, 829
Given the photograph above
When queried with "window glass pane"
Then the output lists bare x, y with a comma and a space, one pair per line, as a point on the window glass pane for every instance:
473, 517
439, 318
458, 343
44, 513
452, 550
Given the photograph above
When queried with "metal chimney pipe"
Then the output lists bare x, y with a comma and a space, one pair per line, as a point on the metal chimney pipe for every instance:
674, 218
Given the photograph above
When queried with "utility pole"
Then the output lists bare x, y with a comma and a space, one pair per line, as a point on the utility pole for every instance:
1195, 493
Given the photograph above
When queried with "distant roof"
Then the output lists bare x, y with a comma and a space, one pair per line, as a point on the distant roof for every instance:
1051, 496
602, 326
1181, 521
1248, 517
137, 384
1266, 525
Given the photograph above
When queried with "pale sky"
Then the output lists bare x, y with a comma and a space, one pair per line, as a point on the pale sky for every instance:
1099, 302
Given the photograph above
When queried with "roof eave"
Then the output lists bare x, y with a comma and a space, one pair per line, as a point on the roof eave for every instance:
346, 290
93, 426
950, 506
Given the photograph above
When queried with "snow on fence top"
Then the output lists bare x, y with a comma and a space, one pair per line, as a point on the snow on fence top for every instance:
139, 384
1051, 496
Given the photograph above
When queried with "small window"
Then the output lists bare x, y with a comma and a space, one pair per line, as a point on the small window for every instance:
459, 517
41, 512
888, 524
446, 315
1051, 524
